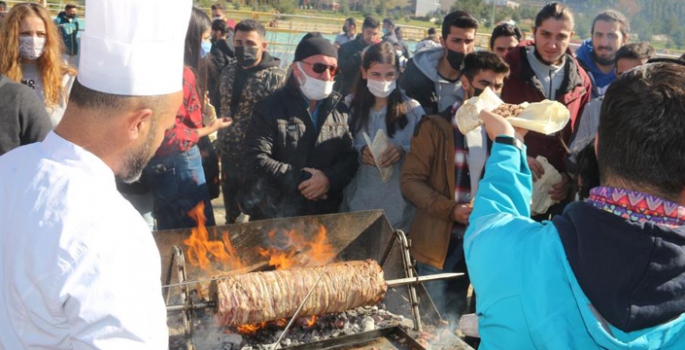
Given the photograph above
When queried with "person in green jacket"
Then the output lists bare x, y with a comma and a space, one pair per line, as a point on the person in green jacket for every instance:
609, 273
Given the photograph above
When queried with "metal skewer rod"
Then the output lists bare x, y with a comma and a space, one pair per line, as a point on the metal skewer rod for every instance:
391, 283
421, 279
297, 312
192, 282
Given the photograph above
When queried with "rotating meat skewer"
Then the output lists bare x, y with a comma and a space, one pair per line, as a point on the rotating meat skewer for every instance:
267, 296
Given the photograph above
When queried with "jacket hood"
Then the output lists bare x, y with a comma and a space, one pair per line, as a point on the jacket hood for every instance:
631, 274
427, 62
585, 55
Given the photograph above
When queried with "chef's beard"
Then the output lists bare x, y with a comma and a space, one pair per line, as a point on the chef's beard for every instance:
137, 159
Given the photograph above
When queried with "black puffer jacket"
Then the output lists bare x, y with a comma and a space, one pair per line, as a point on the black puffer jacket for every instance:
281, 140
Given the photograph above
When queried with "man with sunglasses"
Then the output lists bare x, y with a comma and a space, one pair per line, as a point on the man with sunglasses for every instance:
298, 154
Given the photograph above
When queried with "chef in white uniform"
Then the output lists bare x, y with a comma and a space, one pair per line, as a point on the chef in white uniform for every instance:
79, 268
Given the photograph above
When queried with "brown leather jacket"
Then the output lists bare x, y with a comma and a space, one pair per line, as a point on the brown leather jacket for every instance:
428, 183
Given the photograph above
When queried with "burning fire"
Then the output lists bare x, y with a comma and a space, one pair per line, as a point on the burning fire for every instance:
286, 249
310, 321
297, 251
251, 328
200, 248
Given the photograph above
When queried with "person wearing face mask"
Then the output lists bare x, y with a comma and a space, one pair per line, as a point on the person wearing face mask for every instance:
175, 174
378, 104
432, 75
69, 26
440, 177
350, 55
349, 32
32, 55
298, 154
400, 41
253, 76
389, 31
544, 69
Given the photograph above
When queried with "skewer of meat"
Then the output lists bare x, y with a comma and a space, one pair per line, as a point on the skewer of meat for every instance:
267, 296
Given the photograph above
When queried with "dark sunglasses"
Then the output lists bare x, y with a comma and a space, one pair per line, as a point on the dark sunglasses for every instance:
319, 68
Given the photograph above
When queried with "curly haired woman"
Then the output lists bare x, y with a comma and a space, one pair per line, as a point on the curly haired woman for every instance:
32, 54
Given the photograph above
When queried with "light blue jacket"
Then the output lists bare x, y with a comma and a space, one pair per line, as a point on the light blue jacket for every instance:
528, 295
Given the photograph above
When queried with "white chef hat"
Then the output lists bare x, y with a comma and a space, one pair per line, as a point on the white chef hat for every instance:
134, 47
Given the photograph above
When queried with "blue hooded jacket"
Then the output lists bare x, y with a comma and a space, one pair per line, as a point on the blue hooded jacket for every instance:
584, 55
590, 280
69, 29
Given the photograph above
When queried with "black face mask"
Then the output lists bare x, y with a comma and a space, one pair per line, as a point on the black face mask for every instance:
246, 55
455, 59
477, 92
72, 16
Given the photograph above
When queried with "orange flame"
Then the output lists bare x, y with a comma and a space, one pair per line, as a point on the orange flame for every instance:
200, 248
250, 328
311, 321
299, 252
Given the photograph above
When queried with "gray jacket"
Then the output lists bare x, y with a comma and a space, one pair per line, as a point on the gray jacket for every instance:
23, 116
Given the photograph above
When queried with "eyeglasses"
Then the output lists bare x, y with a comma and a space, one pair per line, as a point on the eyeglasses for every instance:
319, 68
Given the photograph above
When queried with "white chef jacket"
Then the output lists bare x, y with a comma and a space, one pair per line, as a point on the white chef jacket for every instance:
79, 268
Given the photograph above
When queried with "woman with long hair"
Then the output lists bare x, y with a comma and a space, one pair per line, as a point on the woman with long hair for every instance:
175, 174
32, 54
378, 104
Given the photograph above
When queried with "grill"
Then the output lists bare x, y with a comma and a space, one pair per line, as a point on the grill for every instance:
405, 314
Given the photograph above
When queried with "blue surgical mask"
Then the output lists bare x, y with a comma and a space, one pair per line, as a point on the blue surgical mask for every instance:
205, 48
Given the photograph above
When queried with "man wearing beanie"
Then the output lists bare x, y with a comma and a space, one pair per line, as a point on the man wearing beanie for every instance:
298, 154
80, 268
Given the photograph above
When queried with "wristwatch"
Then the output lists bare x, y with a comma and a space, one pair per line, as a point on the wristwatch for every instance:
508, 140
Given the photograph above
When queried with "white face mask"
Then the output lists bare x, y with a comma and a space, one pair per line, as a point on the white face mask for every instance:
380, 89
314, 89
31, 47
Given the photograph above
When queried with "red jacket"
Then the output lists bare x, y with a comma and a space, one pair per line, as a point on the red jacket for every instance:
184, 134
523, 86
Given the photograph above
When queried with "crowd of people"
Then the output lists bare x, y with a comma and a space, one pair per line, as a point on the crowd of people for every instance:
95, 157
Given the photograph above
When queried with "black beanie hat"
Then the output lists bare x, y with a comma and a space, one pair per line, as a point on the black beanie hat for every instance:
314, 44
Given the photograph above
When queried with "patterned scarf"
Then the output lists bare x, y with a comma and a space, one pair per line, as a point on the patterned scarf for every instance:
637, 206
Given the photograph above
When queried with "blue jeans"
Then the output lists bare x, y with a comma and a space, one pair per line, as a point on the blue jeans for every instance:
449, 296
178, 185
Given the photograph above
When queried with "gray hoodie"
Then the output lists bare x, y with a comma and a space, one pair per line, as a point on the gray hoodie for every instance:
550, 76
448, 93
